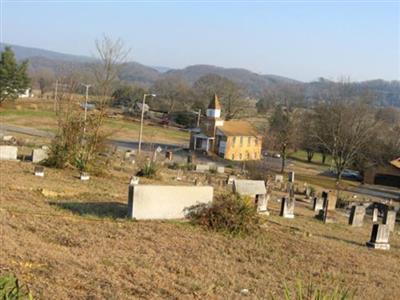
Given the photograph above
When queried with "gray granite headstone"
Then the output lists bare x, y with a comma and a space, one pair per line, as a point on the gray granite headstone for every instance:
379, 237
357, 214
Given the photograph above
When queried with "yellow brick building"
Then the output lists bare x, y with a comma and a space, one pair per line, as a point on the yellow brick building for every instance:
233, 140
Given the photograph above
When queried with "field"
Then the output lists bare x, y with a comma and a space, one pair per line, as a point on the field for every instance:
70, 239
40, 116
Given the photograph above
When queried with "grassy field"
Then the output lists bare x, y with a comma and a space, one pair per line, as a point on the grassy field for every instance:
301, 155
119, 129
70, 239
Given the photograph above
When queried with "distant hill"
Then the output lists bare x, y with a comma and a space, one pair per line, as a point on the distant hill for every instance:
135, 72
253, 82
388, 92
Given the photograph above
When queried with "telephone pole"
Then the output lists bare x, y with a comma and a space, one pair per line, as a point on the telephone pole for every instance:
141, 120
55, 96
87, 86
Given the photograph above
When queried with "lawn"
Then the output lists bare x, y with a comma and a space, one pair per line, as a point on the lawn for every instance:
70, 239
119, 129
301, 155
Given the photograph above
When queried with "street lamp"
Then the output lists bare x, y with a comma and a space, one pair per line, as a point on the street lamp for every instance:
141, 120
87, 86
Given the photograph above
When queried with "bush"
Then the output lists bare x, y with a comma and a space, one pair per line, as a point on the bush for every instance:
148, 170
10, 289
228, 213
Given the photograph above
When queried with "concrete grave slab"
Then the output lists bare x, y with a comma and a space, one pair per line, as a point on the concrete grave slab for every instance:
165, 202
246, 187
8, 152
202, 168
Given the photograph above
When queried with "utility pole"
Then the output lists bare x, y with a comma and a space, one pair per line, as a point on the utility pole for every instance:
141, 121
87, 86
55, 96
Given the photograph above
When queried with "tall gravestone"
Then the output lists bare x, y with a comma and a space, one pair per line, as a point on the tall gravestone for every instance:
389, 218
379, 237
327, 214
357, 214
287, 207
375, 214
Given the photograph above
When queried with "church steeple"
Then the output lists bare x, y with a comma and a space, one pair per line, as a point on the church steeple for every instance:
214, 108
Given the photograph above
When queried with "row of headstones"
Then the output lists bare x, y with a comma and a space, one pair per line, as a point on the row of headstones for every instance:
11, 153
380, 232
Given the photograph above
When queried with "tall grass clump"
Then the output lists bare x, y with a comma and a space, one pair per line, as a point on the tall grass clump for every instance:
11, 289
228, 213
310, 292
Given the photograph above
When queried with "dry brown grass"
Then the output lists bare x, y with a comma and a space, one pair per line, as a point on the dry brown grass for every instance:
66, 253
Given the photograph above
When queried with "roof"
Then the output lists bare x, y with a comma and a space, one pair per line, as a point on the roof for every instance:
238, 128
249, 187
214, 103
396, 163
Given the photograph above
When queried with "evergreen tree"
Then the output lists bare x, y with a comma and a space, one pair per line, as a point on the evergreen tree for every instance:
13, 76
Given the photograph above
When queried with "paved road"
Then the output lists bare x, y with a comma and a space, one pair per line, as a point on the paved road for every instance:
124, 144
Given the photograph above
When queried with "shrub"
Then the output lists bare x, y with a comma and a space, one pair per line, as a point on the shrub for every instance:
148, 170
228, 213
11, 289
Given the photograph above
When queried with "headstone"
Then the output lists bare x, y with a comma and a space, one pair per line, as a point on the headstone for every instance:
230, 179
291, 177
220, 170
375, 213
318, 204
128, 154
329, 200
165, 202
84, 176
262, 204
379, 237
278, 178
245, 187
202, 168
134, 180
357, 214
168, 155
287, 207
327, 215
39, 155
8, 153
308, 192
8, 138
389, 218
39, 171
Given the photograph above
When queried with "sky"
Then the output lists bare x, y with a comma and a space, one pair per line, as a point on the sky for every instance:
303, 40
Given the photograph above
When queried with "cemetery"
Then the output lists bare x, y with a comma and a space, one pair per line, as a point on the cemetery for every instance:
140, 223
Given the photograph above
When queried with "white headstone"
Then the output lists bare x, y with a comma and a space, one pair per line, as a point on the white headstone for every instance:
8, 153
39, 155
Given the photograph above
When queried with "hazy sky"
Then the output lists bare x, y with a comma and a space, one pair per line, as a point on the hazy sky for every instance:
298, 39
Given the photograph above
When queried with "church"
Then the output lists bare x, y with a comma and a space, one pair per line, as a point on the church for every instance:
233, 140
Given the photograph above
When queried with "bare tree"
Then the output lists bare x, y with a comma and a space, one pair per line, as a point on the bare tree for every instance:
282, 132
230, 94
345, 123
172, 90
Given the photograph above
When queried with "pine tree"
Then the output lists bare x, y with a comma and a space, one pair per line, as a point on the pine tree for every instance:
13, 76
